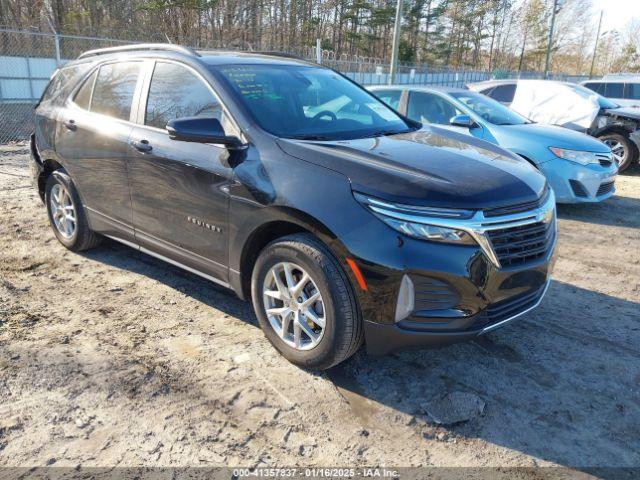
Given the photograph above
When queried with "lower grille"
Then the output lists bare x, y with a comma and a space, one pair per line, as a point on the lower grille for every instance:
605, 188
432, 294
522, 244
513, 306
578, 189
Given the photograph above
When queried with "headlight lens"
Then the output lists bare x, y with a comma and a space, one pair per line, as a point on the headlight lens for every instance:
420, 222
583, 158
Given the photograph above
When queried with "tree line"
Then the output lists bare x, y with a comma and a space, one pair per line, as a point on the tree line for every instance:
479, 34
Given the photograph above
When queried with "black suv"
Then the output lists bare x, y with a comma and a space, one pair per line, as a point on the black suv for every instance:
342, 220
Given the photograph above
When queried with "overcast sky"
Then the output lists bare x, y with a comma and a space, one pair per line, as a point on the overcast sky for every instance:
616, 12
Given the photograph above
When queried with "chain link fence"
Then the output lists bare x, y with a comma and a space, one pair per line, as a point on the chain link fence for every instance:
28, 59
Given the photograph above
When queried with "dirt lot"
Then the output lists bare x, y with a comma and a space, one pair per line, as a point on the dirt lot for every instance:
112, 358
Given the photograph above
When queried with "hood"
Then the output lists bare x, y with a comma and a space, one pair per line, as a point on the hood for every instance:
532, 136
430, 167
625, 112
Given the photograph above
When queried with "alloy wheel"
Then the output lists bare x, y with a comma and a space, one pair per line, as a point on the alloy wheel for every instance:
617, 149
63, 210
294, 306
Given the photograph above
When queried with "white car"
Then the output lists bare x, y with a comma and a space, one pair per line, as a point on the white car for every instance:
622, 89
573, 106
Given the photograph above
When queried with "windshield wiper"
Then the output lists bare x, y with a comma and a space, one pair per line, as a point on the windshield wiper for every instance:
311, 137
384, 133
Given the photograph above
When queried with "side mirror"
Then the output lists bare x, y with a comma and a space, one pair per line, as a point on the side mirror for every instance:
462, 121
201, 130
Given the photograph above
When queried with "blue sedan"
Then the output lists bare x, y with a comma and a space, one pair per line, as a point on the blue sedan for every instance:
578, 167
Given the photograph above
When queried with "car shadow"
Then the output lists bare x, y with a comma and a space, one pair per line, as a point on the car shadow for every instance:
560, 384
632, 171
205, 291
614, 212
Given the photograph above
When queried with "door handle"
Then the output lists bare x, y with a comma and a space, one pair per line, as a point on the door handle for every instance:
141, 145
70, 125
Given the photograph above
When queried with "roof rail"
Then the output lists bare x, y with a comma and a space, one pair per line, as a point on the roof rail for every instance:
276, 54
140, 46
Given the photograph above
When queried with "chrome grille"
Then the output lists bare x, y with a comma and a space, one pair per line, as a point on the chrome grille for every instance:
522, 207
522, 244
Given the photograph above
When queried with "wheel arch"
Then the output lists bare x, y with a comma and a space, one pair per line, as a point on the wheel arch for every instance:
619, 129
49, 166
283, 221
524, 157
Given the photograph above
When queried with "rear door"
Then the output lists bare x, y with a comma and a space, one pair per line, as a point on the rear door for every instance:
179, 189
92, 139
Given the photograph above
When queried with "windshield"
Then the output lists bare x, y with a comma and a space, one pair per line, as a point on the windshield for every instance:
584, 92
492, 111
308, 102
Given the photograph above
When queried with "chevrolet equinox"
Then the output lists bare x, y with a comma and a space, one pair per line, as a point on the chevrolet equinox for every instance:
343, 221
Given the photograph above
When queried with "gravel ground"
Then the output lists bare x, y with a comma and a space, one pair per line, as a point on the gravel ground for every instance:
112, 358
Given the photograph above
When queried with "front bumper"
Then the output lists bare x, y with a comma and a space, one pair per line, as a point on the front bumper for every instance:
385, 338
458, 291
575, 183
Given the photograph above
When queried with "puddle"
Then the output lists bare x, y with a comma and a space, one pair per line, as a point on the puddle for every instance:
363, 408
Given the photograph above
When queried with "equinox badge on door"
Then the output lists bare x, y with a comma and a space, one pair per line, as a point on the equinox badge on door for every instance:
203, 224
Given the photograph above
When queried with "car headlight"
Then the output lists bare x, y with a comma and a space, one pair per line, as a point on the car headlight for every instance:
420, 222
577, 156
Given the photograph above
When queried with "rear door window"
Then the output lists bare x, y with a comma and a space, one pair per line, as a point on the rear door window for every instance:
176, 92
504, 93
114, 89
83, 96
614, 90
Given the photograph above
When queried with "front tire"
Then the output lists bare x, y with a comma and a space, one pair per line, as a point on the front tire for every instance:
66, 213
304, 303
624, 150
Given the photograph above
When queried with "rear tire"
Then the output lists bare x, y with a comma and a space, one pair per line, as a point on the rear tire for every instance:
66, 213
624, 150
338, 332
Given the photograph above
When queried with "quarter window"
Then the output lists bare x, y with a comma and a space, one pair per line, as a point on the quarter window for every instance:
114, 89
175, 92
597, 87
503, 93
633, 91
390, 97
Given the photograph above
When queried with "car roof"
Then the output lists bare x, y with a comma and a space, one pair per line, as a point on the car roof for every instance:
493, 83
209, 57
216, 57
620, 78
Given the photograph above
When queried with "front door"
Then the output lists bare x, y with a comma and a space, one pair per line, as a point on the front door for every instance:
92, 139
178, 189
